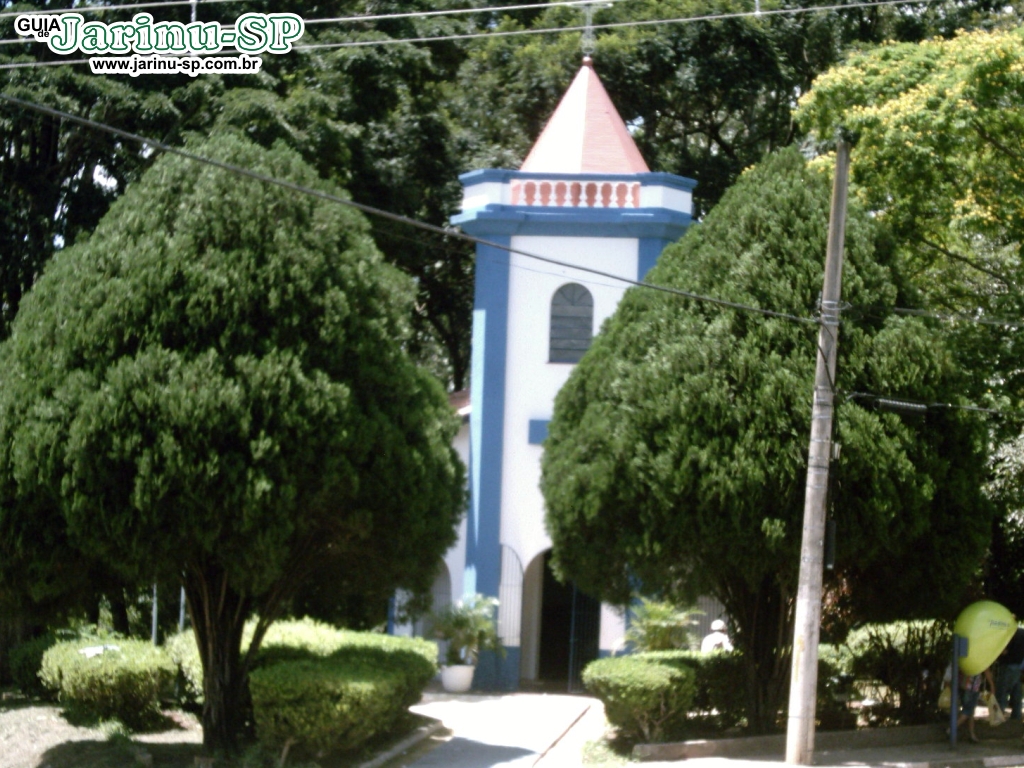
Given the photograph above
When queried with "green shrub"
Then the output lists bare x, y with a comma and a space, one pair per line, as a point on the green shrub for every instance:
908, 658
715, 696
721, 699
307, 639
646, 696
182, 650
326, 688
661, 626
26, 661
333, 690
327, 704
124, 681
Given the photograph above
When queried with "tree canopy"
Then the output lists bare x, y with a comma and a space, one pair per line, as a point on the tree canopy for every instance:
395, 123
939, 127
214, 386
675, 462
938, 159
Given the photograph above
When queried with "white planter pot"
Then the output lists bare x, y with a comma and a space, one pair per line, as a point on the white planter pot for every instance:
457, 678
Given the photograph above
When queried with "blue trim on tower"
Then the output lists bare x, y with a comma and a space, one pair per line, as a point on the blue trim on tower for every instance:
487, 421
658, 223
501, 219
538, 431
650, 250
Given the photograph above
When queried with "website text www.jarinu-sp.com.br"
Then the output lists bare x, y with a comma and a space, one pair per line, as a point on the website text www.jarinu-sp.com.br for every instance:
136, 65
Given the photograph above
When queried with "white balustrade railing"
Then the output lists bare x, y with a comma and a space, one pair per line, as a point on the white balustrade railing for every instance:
576, 194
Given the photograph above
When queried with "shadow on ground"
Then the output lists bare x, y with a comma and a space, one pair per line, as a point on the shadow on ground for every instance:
106, 754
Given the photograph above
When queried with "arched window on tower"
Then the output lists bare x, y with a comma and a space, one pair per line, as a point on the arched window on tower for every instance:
572, 323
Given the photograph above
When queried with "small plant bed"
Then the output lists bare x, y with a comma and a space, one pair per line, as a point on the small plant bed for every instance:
35, 733
38, 733
321, 696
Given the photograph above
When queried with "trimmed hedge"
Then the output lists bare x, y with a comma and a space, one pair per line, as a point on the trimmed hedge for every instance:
327, 705
333, 690
27, 660
325, 688
647, 695
909, 659
711, 700
124, 681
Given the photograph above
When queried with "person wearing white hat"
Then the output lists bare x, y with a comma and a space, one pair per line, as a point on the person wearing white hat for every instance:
718, 640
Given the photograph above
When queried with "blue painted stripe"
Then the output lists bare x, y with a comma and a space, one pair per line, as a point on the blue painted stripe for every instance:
487, 422
650, 250
538, 431
494, 220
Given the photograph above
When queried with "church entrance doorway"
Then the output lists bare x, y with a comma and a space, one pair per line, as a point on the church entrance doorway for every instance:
570, 628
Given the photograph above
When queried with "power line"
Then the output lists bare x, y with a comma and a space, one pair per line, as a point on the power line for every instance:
425, 14
555, 30
929, 314
105, 8
335, 20
617, 24
957, 317
381, 213
887, 402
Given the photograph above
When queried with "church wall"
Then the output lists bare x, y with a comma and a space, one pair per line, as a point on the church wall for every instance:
531, 381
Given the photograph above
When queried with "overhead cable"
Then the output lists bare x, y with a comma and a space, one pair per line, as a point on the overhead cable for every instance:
581, 28
381, 213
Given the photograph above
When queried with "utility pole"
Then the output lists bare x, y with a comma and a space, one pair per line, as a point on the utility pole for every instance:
807, 625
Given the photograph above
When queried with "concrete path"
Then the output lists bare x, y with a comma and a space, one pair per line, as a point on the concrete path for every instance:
512, 731
907, 747
549, 731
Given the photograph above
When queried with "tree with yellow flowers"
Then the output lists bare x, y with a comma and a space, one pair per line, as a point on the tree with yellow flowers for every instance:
940, 127
941, 158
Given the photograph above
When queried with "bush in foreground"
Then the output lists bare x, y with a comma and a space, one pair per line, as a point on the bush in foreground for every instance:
670, 695
327, 705
646, 696
908, 658
333, 690
324, 688
27, 660
122, 679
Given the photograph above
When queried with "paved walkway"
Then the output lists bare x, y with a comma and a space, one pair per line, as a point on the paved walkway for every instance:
515, 730
549, 731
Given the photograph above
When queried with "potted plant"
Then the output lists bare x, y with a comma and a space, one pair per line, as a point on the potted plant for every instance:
468, 627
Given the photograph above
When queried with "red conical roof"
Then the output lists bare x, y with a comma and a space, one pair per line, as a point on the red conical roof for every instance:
585, 134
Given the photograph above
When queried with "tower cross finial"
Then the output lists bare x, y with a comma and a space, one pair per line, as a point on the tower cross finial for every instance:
588, 43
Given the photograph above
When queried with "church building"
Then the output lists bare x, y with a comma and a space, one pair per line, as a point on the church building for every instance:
585, 203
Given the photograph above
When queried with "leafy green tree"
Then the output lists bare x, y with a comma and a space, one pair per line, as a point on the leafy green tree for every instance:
705, 99
213, 386
676, 457
940, 125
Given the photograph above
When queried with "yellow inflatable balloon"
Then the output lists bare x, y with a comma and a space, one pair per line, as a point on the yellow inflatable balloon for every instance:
988, 627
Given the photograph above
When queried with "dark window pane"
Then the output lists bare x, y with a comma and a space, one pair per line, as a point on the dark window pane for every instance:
572, 323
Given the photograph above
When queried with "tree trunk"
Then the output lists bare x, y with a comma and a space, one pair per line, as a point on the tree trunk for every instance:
13, 630
218, 614
764, 629
119, 613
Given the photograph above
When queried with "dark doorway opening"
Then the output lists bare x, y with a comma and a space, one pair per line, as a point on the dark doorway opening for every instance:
570, 629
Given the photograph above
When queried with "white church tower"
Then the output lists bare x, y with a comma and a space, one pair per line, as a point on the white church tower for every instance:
583, 197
